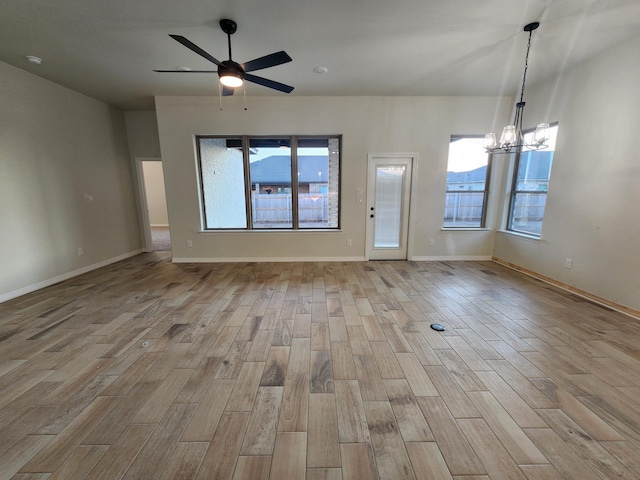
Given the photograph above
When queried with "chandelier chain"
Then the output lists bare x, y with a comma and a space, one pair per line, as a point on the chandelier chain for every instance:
526, 66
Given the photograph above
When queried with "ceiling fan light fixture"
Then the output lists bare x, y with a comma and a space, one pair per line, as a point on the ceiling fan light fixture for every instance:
231, 80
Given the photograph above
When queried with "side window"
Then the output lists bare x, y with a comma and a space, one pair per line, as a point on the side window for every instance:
529, 189
468, 171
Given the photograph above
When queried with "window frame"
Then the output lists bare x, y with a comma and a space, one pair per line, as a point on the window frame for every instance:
513, 192
485, 196
246, 160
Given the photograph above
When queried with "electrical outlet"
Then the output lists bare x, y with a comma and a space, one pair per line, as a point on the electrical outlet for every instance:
80, 252
189, 243
432, 242
349, 242
568, 263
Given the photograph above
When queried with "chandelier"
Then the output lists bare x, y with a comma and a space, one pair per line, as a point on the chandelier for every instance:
512, 137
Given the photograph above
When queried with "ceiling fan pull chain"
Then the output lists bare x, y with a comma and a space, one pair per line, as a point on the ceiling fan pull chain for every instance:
244, 93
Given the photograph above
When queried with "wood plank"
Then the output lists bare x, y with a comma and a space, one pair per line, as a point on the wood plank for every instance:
261, 432
388, 448
496, 460
427, 461
115, 462
79, 463
205, 419
413, 426
155, 408
152, 458
184, 461
460, 457
244, 392
323, 449
255, 468
295, 402
53, 455
561, 455
21, 452
416, 375
352, 422
506, 429
369, 379
289, 456
358, 462
220, 460
275, 369
321, 372
386, 360
299, 356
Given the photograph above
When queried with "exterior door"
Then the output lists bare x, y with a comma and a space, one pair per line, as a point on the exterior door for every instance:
388, 199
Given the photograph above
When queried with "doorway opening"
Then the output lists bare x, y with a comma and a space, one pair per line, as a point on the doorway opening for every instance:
155, 217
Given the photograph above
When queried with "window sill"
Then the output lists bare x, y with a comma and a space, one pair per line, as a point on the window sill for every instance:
465, 229
524, 236
271, 230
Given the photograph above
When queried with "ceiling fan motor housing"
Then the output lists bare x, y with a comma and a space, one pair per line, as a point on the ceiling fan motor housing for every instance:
229, 67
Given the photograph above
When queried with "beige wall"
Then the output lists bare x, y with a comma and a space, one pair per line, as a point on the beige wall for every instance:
593, 207
65, 183
421, 125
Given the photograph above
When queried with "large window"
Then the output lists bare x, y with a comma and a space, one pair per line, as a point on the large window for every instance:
530, 185
467, 183
288, 182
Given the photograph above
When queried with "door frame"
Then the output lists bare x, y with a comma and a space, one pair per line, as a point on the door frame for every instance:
145, 227
413, 156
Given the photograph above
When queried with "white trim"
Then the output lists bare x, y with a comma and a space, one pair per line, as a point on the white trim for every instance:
66, 276
524, 236
267, 259
453, 258
464, 229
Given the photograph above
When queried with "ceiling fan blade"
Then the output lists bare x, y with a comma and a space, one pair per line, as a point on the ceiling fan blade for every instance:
186, 71
193, 47
227, 91
265, 82
267, 61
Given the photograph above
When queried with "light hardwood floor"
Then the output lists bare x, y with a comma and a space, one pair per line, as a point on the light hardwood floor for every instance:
146, 369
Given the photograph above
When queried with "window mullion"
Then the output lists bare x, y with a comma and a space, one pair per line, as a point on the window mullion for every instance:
294, 182
247, 181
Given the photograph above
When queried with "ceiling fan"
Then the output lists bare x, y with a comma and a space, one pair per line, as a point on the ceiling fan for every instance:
233, 74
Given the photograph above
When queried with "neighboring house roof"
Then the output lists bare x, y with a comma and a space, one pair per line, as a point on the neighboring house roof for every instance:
276, 170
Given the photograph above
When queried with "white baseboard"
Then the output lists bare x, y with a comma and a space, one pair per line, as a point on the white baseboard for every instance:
453, 258
464, 258
267, 259
66, 276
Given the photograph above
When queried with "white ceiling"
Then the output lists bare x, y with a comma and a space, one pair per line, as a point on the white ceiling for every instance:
107, 49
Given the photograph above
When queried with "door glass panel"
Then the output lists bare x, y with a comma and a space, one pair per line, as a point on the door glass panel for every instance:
388, 206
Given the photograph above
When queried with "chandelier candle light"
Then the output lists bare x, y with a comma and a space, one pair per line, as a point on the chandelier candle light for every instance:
512, 136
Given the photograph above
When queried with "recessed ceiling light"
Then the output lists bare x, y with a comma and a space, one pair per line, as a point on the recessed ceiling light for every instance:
321, 70
36, 60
